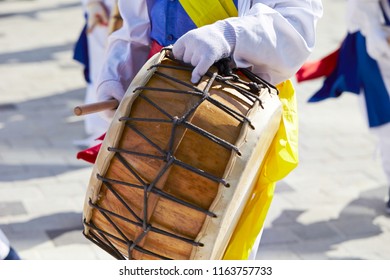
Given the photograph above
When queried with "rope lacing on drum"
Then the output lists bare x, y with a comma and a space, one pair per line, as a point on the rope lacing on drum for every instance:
140, 223
204, 94
103, 241
102, 238
150, 187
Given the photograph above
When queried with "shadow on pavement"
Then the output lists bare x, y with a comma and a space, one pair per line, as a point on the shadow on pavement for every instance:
36, 137
314, 240
35, 55
61, 228
33, 13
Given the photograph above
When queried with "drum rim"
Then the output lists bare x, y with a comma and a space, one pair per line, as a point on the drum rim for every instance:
247, 135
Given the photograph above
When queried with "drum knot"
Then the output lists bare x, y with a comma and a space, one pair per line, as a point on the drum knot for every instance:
254, 87
176, 120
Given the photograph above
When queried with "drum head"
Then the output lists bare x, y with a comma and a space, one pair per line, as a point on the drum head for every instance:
179, 162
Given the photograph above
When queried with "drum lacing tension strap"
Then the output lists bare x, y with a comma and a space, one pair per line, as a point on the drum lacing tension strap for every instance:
132, 245
141, 222
150, 187
150, 227
205, 93
182, 121
103, 240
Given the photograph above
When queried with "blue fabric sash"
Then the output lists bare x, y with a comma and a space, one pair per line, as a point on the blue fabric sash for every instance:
170, 21
357, 71
80, 52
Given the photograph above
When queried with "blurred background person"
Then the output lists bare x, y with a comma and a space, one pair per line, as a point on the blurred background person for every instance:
6, 251
362, 66
89, 50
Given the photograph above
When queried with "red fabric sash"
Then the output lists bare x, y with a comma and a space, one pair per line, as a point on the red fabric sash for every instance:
90, 154
319, 68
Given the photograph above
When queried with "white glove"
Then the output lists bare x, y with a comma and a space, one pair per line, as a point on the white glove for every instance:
203, 46
110, 90
97, 14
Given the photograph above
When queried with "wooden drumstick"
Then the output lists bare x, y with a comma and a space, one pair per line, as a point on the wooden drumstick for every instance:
96, 107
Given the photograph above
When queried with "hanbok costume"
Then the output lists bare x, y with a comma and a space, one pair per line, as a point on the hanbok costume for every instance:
362, 66
89, 51
272, 38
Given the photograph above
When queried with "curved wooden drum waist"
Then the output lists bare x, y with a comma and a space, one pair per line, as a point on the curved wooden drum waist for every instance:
179, 162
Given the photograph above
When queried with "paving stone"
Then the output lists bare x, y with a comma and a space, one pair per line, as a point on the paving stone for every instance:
278, 235
361, 227
321, 249
11, 208
28, 241
70, 252
8, 107
314, 231
19, 191
276, 252
283, 186
69, 236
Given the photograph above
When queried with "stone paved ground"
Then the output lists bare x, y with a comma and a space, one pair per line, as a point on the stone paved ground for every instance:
330, 207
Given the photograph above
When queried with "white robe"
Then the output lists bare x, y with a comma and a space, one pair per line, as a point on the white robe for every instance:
4, 246
274, 38
366, 16
96, 124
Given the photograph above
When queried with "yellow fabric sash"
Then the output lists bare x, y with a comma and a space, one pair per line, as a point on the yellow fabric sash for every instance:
282, 156
203, 12
281, 159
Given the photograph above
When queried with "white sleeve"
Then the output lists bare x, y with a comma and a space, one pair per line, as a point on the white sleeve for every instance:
127, 48
86, 2
109, 4
366, 16
274, 38
361, 14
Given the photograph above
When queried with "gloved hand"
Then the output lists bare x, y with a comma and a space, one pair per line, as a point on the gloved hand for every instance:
110, 90
97, 14
203, 46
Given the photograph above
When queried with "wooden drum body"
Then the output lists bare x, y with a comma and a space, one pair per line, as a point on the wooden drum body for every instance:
179, 162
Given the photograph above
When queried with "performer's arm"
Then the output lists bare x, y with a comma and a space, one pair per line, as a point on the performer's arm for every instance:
274, 38
127, 51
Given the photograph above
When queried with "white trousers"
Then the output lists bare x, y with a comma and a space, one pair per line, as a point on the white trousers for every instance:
383, 134
252, 255
95, 124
